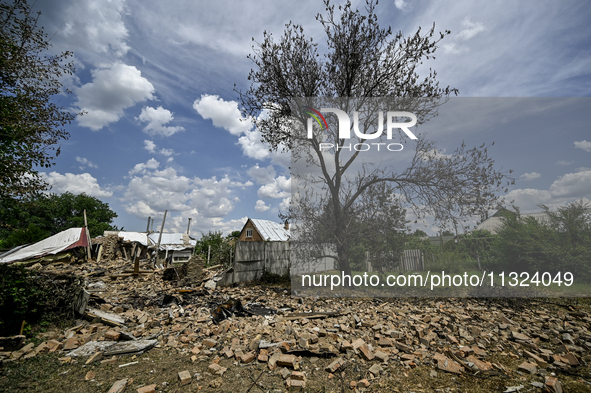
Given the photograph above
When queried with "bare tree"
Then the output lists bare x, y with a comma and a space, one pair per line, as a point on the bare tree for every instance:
363, 71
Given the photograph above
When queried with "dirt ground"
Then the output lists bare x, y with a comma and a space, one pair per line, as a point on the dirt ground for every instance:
161, 365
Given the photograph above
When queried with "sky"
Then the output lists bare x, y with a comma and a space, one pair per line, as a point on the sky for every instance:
162, 129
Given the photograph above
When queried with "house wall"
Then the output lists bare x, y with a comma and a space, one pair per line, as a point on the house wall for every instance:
253, 258
256, 236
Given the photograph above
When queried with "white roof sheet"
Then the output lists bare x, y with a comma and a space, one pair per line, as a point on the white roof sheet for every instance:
271, 231
138, 237
70, 238
173, 241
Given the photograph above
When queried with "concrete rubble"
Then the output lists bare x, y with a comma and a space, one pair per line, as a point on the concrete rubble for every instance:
130, 314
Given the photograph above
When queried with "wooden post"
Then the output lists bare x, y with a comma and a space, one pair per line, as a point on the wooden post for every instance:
189, 227
208, 254
100, 251
148, 227
160, 236
87, 234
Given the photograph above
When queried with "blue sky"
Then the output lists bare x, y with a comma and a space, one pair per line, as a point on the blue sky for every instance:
163, 130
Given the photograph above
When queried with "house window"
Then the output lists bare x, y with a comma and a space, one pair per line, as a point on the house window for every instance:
249, 233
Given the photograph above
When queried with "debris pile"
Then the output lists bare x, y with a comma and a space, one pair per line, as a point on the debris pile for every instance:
130, 313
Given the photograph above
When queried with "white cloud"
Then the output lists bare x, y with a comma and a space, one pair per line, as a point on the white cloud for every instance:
563, 163
224, 114
563, 190
530, 176
278, 188
149, 146
156, 119
143, 167
261, 207
167, 152
262, 175
90, 28
84, 161
572, 185
470, 29
112, 90
401, 5
583, 145
76, 184
284, 205
207, 201
252, 146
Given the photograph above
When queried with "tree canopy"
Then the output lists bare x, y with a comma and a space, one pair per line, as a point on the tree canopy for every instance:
361, 69
36, 217
31, 122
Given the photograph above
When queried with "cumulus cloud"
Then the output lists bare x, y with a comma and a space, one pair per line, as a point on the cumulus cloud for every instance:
262, 175
563, 190
572, 185
224, 114
149, 146
284, 205
143, 167
530, 176
583, 145
112, 90
152, 190
156, 119
252, 146
261, 207
85, 162
89, 28
76, 184
278, 188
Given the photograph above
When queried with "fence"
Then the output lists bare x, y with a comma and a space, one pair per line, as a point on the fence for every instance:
410, 260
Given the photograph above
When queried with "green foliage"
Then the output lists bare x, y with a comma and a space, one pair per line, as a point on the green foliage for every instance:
31, 123
36, 217
31, 234
20, 299
221, 251
563, 244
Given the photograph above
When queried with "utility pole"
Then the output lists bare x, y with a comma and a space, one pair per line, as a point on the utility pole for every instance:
189, 226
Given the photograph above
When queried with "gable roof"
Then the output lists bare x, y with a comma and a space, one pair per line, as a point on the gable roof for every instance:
271, 231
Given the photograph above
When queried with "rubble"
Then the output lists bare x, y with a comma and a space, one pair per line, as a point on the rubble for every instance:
243, 327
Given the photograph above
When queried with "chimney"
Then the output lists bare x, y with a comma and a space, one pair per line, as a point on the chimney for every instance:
286, 225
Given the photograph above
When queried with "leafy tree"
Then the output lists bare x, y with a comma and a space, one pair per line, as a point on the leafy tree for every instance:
220, 249
362, 61
31, 123
40, 216
561, 244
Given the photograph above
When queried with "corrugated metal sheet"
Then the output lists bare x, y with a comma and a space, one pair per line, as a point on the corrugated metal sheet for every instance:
271, 231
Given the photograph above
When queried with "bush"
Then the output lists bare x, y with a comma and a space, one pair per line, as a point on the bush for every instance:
562, 244
34, 299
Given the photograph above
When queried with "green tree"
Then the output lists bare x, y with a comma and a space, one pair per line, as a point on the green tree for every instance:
218, 248
31, 123
562, 243
51, 214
